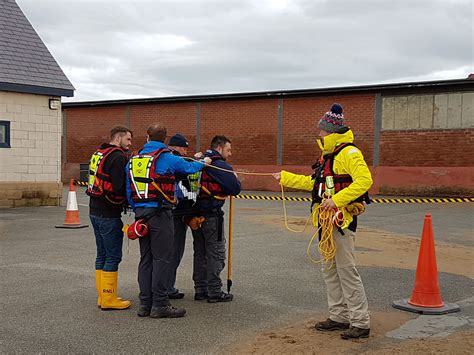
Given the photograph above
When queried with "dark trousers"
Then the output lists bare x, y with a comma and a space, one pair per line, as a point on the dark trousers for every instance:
209, 256
109, 240
179, 242
155, 255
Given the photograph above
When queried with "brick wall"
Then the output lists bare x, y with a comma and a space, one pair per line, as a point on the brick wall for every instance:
30, 169
87, 128
448, 148
176, 117
301, 116
35, 138
252, 125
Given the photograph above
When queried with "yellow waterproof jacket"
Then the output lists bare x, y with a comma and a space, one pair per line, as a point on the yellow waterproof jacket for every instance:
349, 161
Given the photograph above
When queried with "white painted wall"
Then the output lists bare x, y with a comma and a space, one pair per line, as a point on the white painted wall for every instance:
35, 138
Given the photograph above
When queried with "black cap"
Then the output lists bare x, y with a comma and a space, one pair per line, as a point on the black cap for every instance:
178, 141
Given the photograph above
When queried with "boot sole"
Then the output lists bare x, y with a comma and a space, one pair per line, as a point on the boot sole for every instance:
210, 300
168, 316
329, 330
114, 308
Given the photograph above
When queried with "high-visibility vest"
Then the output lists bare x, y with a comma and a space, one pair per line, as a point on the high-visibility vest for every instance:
209, 188
323, 168
146, 184
100, 183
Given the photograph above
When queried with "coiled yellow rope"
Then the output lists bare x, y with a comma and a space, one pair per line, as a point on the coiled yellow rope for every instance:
326, 245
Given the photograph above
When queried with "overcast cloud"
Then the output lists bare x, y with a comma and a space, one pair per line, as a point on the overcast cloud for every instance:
129, 49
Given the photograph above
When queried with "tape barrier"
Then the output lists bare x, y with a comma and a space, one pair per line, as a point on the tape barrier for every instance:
373, 200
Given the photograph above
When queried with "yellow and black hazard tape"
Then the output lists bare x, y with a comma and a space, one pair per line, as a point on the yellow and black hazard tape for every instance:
373, 200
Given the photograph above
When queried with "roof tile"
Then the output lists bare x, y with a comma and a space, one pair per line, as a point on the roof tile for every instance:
24, 58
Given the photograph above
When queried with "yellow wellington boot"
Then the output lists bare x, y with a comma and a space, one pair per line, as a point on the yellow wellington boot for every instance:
98, 274
108, 286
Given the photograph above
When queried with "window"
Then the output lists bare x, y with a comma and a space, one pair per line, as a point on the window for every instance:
4, 134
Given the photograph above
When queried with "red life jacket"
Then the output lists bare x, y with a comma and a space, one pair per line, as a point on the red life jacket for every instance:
100, 183
146, 184
209, 188
323, 168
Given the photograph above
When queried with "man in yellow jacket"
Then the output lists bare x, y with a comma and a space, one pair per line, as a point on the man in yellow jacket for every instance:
341, 181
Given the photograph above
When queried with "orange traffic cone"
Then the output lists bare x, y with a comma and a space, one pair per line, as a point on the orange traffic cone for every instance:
72, 212
426, 296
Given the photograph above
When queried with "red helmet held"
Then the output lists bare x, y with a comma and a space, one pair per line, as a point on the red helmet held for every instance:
137, 229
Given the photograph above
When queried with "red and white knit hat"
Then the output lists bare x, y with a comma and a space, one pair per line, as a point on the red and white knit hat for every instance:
333, 120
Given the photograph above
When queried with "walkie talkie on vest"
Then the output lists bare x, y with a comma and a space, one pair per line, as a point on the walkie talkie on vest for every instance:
329, 185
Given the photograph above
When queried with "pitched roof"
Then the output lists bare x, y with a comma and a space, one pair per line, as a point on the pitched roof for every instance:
26, 65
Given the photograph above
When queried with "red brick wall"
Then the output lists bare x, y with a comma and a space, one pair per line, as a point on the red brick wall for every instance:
301, 116
251, 125
176, 117
87, 128
450, 148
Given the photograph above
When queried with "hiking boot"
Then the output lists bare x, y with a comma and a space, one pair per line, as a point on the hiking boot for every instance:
200, 296
167, 312
355, 333
176, 295
222, 297
143, 311
330, 325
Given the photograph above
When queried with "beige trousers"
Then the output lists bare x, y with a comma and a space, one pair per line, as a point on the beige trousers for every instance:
346, 295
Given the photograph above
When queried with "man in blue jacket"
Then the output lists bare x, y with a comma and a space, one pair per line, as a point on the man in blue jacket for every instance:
208, 238
151, 193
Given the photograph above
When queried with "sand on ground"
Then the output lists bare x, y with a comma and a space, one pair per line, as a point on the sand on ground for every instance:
376, 249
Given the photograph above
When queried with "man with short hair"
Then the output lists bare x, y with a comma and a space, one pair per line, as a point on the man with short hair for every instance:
208, 238
106, 188
151, 188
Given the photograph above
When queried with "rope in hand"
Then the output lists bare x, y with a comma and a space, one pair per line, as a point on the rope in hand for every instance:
232, 171
326, 245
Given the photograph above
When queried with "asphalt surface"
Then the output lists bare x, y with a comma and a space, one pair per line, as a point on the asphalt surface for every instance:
48, 296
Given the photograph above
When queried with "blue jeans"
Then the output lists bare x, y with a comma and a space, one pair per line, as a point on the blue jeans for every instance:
109, 240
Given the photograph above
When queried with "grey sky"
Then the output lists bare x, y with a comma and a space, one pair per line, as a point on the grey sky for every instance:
128, 49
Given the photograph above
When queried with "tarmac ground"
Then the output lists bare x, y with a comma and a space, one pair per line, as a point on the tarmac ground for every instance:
48, 295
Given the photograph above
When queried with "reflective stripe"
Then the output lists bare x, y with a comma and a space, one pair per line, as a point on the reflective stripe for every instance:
140, 166
71, 201
93, 167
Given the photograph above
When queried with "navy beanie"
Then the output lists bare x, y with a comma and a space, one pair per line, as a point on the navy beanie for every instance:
333, 120
178, 141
